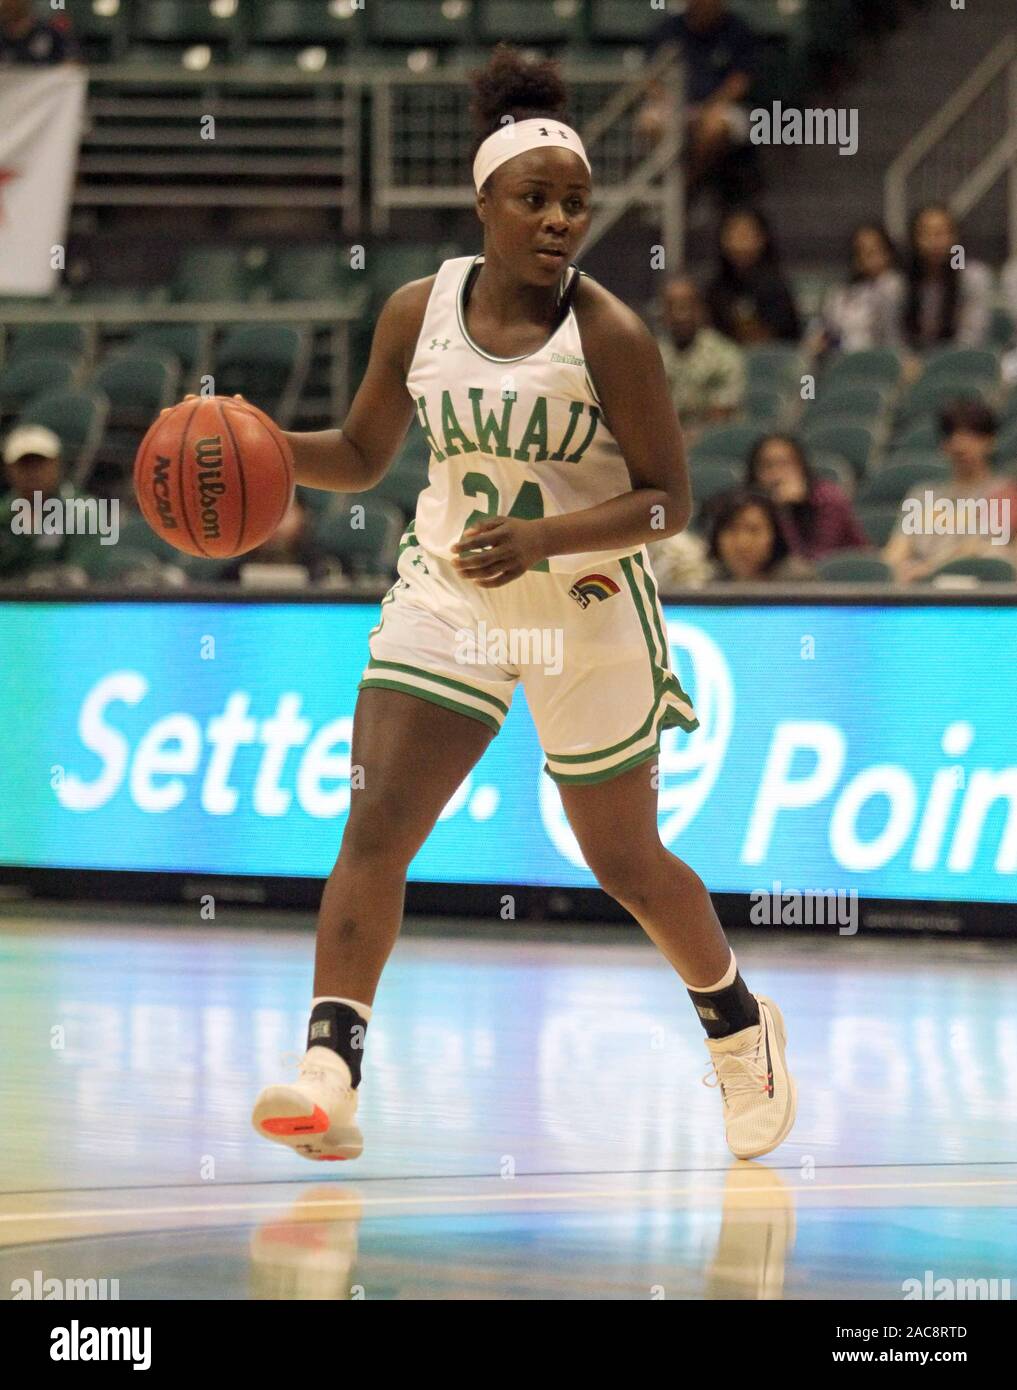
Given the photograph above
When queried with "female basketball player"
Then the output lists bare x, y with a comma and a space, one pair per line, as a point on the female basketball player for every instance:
555, 455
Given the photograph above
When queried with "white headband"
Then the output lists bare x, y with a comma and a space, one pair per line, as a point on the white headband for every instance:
516, 137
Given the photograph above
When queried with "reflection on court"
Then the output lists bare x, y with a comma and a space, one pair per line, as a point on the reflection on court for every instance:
533, 1118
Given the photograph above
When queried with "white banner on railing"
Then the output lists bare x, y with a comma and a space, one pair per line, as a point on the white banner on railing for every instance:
41, 113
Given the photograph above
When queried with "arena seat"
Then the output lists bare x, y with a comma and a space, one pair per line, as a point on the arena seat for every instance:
987, 569
44, 339
853, 441
854, 567
893, 482
28, 377
725, 442
77, 417
879, 367
530, 21
879, 520
367, 550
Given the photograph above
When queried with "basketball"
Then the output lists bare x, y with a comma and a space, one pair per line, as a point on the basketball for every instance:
214, 476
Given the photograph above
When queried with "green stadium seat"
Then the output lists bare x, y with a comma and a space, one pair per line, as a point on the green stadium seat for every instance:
407, 475
266, 363
852, 441
854, 567
619, 21
392, 265
314, 272
879, 520
298, 23
34, 376
764, 408
101, 30
880, 367
369, 549
210, 274
929, 459
77, 417
922, 433
772, 365
186, 22
930, 397
43, 339
713, 477
987, 569
862, 403
425, 22
189, 343
1002, 328
138, 387
893, 482
979, 366
727, 442
529, 21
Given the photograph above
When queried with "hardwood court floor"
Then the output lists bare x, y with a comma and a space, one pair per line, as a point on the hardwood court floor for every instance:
534, 1122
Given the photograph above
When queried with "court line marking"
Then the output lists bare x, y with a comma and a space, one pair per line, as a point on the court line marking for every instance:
361, 1178
425, 1200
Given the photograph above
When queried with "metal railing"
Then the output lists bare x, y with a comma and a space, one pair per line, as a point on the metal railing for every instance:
422, 137
967, 147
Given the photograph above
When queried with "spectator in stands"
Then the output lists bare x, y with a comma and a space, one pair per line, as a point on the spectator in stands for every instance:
968, 433
33, 463
867, 312
747, 544
946, 302
1008, 285
705, 370
293, 543
749, 298
680, 561
719, 51
816, 516
25, 38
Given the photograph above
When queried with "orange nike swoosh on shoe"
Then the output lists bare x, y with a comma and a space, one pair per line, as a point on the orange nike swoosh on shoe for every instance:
315, 1123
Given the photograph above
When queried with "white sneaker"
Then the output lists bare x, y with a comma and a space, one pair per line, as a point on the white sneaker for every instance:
760, 1098
315, 1115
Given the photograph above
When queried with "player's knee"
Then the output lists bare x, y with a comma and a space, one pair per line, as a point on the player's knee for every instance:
382, 831
627, 874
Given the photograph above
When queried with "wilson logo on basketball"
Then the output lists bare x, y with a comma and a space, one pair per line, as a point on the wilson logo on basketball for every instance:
208, 453
161, 491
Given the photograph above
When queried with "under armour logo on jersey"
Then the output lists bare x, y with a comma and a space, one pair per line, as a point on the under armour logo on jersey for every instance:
418, 560
441, 342
544, 131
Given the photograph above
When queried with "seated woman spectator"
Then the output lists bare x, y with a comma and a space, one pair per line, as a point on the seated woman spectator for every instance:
816, 516
930, 534
749, 298
945, 302
747, 544
705, 371
867, 312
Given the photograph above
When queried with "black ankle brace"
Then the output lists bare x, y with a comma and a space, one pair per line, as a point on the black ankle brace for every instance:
726, 1011
342, 1029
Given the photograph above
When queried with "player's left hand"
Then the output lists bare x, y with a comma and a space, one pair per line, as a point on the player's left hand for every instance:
510, 544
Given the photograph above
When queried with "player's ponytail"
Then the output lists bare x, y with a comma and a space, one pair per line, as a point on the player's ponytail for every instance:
511, 85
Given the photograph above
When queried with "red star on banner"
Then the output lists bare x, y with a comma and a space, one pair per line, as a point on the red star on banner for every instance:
6, 176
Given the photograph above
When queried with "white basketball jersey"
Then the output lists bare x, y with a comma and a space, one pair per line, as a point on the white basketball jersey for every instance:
519, 436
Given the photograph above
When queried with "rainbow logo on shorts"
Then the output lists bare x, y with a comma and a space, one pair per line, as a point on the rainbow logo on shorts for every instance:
592, 586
